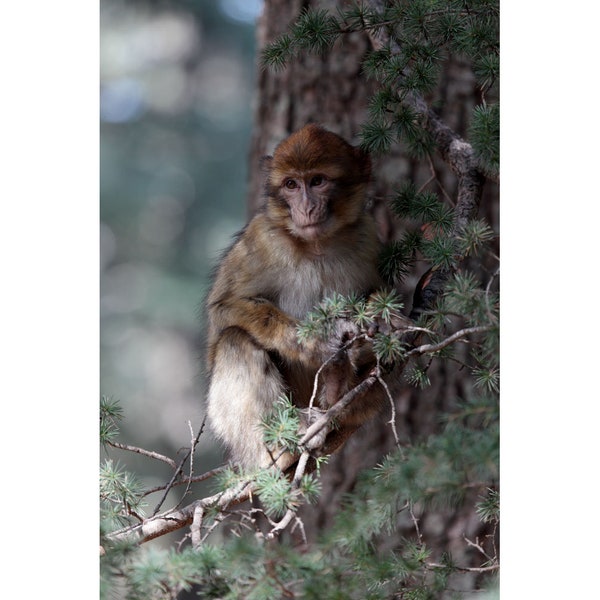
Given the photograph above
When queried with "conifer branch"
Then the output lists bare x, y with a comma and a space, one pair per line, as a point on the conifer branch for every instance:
454, 150
193, 514
291, 513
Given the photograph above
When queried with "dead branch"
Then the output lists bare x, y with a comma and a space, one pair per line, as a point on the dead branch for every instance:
179, 470
464, 569
186, 480
456, 336
148, 453
172, 520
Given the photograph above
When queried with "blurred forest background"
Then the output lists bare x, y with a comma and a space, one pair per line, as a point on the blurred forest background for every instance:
177, 83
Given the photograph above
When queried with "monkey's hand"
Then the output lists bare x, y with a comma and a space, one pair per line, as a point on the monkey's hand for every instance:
343, 336
397, 323
325, 347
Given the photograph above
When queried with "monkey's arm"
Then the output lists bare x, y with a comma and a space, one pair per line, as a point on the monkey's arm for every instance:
250, 279
269, 326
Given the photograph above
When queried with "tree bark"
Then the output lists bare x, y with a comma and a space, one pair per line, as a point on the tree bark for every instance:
332, 90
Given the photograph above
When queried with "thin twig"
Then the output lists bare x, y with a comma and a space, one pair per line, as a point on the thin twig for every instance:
179, 471
436, 178
415, 521
148, 453
488, 308
194, 443
478, 547
392, 420
342, 348
427, 348
187, 480
464, 569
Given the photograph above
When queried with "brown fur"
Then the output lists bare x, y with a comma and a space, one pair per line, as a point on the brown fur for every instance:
310, 241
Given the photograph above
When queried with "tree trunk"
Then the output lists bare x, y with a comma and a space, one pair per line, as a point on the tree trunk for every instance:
332, 90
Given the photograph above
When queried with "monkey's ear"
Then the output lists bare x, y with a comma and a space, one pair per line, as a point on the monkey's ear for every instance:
265, 164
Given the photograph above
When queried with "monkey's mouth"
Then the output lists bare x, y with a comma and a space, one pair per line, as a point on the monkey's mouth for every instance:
311, 231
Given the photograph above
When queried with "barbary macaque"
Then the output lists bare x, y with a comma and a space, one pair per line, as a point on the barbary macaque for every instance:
312, 238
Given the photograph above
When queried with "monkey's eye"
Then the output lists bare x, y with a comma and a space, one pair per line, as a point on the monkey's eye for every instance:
290, 184
317, 180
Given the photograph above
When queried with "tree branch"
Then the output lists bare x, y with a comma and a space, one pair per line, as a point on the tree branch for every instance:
430, 348
332, 413
148, 453
464, 569
172, 520
193, 514
454, 150
179, 470
186, 480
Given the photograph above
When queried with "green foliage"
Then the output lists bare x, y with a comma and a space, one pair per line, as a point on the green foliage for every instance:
489, 507
110, 414
377, 136
474, 237
319, 322
432, 238
278, 495
424, 207
440, 251
384, 305
120, 493
280, 428
397, 258
442, 471
457, 465
279, 52
485, 137
487, 378
381, 306
465, 296
418, 377
275, 492
314, 29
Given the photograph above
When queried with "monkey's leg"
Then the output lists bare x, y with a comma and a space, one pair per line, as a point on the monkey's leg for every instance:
244, 386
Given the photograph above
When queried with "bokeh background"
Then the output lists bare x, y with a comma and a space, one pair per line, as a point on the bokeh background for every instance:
176, 101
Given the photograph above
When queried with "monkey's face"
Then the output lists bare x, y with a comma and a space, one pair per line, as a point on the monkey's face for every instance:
307, 196
316, 183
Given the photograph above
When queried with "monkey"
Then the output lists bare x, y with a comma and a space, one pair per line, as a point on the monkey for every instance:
312, 237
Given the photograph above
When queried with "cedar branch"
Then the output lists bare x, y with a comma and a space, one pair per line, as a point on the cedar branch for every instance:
453, 149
